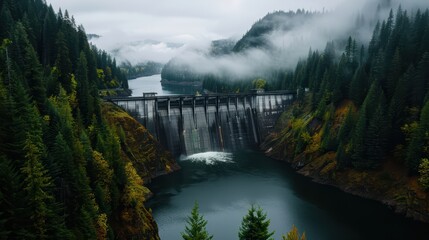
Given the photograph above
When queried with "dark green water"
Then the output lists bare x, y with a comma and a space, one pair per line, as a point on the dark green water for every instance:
225, 185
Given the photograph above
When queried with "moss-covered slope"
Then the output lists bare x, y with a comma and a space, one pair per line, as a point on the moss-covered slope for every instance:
299, 139
138, 146
144, 159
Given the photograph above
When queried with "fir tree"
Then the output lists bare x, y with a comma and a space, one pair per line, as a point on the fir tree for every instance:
63, 64
375, 139
196, 226
358, 139
84, 99
255, 225
14, 212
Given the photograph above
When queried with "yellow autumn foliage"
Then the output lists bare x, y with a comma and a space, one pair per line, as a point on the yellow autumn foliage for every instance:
103, 173
294, 235
134, 192
101, 227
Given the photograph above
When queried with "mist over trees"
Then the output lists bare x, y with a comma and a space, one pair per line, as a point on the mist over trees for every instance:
385, 77
274, 44
385, 83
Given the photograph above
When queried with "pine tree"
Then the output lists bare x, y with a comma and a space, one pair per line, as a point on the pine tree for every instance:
83, 97
34, 76
375, 139
396, 112
48, 37
196, 226
255, 225
36, 184
63, 63
346, 130
358, 139
6, 21
14, 210
358, 86
6, 121
394, 74
420, 83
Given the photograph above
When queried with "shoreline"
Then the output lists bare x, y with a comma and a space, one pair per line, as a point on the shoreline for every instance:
181, 84
413, 207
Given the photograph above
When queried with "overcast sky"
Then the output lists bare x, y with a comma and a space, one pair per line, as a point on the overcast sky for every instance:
179, 21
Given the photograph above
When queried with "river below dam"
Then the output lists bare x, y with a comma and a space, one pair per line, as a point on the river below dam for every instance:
225, 185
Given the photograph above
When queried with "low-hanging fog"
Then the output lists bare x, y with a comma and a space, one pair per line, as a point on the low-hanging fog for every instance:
309, 32
126, 25
138, 31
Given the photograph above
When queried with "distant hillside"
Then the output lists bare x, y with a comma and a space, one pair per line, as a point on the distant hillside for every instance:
276, 21
141, 51
179, 69
91, 36
141, 70
221, 47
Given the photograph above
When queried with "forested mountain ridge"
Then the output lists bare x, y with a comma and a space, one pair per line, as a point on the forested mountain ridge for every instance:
141, 70
275, 21
364, 125
65, 169
185, 69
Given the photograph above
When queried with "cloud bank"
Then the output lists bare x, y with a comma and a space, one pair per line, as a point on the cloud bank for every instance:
196, 23
190, 22
293, 44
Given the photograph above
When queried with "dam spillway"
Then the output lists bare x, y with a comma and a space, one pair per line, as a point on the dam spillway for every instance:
188, 124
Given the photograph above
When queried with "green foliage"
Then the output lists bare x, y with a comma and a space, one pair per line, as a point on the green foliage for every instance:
347, 126
255, 225
140, 70
196, 226
259, 83
358, 140
36, 184
12, 202
424, 173
51, 184
420, 136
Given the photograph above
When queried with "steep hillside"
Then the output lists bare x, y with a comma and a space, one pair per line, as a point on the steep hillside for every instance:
364, 125
138, 146
141, 70
390, 183
144, 159
222, 47
65, 172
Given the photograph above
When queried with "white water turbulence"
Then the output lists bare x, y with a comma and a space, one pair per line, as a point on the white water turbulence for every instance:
209, 158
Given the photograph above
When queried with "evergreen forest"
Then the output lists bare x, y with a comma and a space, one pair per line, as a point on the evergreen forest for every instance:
62, 168
73, 166
385, 86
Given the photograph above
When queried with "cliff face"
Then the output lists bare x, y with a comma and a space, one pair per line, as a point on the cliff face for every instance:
390, 183
144, 159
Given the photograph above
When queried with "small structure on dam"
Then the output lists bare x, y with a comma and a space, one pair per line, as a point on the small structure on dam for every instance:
188, 124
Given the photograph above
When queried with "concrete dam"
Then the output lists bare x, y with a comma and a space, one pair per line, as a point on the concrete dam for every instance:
188, 124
